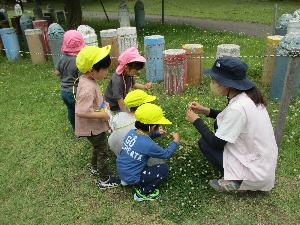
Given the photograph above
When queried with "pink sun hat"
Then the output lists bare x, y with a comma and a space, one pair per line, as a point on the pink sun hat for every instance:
72, 42
128, 56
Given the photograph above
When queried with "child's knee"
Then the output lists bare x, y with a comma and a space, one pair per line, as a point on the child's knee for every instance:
163, 170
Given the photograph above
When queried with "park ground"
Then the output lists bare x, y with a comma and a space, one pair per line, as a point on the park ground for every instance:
44, 178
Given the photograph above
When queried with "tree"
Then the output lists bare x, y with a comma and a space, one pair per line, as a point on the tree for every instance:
73, 13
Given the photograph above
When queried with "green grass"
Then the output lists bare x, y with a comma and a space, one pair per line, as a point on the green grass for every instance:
256, 11
44, 179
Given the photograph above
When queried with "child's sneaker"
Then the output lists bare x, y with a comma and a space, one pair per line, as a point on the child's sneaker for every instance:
139, 197
111, 182
93, 170
222, 185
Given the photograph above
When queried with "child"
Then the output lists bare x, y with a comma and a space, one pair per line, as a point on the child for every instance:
244, 147
67, 70
93, 63
130, 62
136, 150
123, 122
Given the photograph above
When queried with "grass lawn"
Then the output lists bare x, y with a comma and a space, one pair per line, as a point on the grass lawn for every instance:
44, 179
256, 11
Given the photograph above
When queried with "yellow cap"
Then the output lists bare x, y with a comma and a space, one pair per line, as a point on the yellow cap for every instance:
149, 113
89, 56
137, 97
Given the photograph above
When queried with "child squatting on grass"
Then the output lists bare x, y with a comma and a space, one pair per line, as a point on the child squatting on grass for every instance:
130, 62
243, 148
93, 63
138, 147
67, 70
123, 122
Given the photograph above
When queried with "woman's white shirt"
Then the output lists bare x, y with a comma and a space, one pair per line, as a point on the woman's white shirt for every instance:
250, 153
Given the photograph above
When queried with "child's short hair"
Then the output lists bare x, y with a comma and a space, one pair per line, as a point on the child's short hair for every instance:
135, 65
133, 109
103, 63
144, 127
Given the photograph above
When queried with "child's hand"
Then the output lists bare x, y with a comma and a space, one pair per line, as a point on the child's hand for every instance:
106, 116
162, 132
107, 105
191, 116
148, 85
176, 137
56, 72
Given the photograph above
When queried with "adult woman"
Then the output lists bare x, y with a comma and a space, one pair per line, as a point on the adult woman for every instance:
244, 146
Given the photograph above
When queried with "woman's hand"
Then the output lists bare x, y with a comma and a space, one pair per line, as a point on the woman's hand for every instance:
195, 106
191, 116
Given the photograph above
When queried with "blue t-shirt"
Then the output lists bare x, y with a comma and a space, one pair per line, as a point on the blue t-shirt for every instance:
136, 150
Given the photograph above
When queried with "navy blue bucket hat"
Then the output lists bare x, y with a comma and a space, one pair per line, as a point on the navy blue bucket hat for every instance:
230, 72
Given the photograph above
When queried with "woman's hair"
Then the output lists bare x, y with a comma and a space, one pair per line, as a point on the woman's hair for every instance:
255, 95
135, 65
102, 64
144, 127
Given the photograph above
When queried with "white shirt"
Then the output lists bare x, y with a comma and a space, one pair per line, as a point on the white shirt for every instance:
250, 153
120, 124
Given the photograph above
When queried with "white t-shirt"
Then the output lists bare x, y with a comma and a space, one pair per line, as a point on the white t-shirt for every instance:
250, 153
120, 124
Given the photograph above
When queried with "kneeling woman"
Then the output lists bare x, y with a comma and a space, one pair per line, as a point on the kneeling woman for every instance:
244, 147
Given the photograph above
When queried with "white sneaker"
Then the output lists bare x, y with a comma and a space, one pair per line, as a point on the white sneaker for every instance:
111, 182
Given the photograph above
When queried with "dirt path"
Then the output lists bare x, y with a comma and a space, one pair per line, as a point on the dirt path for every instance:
253, 29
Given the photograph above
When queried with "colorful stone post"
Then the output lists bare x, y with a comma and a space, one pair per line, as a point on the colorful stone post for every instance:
3, 24
124, 14
55, 38
269, 60
293, 26
288, 43
43, 26
110, 37
35, 41
18, 10
127, 38
89, 35
139, 13
282, 24
11, 43
194, 63
154, 46
228, 50
175, 66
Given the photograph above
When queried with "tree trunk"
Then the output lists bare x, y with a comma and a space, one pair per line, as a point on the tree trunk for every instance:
73, 13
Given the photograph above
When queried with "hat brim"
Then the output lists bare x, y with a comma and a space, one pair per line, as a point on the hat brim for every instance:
150, 98
241, 85
163, 120
102, 53
121, 67
138, 59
